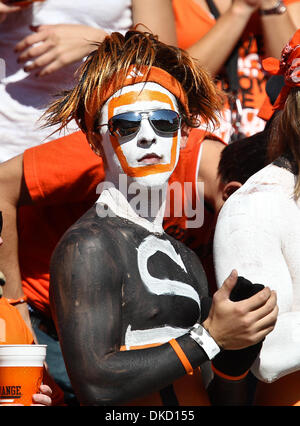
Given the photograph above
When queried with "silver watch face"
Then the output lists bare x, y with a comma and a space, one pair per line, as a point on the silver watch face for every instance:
199, 331
281, 9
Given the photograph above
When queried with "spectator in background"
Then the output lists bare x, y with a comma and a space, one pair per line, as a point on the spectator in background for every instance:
231, 38
43, 44
13, 331
258, 231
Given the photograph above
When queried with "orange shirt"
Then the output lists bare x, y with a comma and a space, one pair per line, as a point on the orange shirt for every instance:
62, 177
14, 331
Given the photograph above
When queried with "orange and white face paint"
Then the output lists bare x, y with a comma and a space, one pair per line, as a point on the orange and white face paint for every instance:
147, 157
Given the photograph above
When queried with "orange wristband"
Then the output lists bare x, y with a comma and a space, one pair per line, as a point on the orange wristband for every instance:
22, 299
181, 355
227, 377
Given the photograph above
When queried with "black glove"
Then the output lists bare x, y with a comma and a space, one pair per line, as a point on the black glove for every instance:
235, 363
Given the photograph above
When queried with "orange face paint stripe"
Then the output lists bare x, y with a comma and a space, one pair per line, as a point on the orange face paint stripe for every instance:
133, 348
127, 99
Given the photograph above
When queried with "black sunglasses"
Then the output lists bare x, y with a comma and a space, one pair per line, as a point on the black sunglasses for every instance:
165, 121
1, 222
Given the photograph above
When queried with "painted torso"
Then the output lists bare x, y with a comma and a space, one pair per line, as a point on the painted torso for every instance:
161, 280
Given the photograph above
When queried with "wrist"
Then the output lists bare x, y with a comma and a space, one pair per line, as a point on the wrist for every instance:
242, 10
203, 338
22, 299
275, 7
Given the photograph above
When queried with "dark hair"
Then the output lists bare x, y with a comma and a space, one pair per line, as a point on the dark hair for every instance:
244, 157
285, 133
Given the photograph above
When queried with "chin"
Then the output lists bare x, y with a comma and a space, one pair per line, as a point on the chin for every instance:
153, 181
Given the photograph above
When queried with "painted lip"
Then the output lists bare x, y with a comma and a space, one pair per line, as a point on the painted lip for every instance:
150, 159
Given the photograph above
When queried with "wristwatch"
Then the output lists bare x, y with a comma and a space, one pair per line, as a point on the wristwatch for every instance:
204, 340
278, 9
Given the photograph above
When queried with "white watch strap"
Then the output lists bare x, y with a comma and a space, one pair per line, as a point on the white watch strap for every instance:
204, 340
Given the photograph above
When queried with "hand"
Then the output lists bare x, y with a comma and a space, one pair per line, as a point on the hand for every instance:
6, 9
52, 47
237, 325
43, 398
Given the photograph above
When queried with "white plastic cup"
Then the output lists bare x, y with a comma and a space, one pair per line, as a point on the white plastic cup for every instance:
21, 372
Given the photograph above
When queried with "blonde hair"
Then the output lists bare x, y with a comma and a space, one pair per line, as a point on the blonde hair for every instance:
285, 133
113, 57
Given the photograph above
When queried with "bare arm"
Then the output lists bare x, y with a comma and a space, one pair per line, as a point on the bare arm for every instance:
51, 47
12, 192
294, 12
274, 41
223, 37
6, 10
230, 26
157, 16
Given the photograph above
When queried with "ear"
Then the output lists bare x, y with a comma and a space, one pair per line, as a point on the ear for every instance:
230, 188
185, 131
95, 142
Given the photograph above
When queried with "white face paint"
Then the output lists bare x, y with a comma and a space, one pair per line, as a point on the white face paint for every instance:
148, 157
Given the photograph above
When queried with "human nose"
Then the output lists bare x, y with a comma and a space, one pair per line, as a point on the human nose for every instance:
146, 135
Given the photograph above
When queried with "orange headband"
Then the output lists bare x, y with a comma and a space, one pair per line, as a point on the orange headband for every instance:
288, 66
154, 75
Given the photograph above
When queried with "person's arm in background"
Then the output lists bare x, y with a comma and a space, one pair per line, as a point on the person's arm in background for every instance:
51, 47
294, 12
5, 9
161, 23
224, 35
12, 192
229, 28
286, 24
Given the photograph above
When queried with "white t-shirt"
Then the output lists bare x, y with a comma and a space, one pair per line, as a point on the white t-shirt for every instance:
258, 234
23, 97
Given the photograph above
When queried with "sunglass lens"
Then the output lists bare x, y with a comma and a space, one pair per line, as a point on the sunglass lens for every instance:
124, 124
1, 222
165, 121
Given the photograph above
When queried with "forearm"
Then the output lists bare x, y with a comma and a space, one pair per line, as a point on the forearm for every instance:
9, 261
12, 193
228, 392
126, 375
161, 24
222, 38
274, 41
91, 36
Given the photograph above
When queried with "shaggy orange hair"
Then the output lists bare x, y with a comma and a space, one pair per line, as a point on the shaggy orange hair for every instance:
113, 57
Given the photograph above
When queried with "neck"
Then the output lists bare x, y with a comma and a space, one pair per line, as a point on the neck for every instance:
147, 202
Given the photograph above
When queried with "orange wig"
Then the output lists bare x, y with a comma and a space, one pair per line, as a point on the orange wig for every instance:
110, 64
